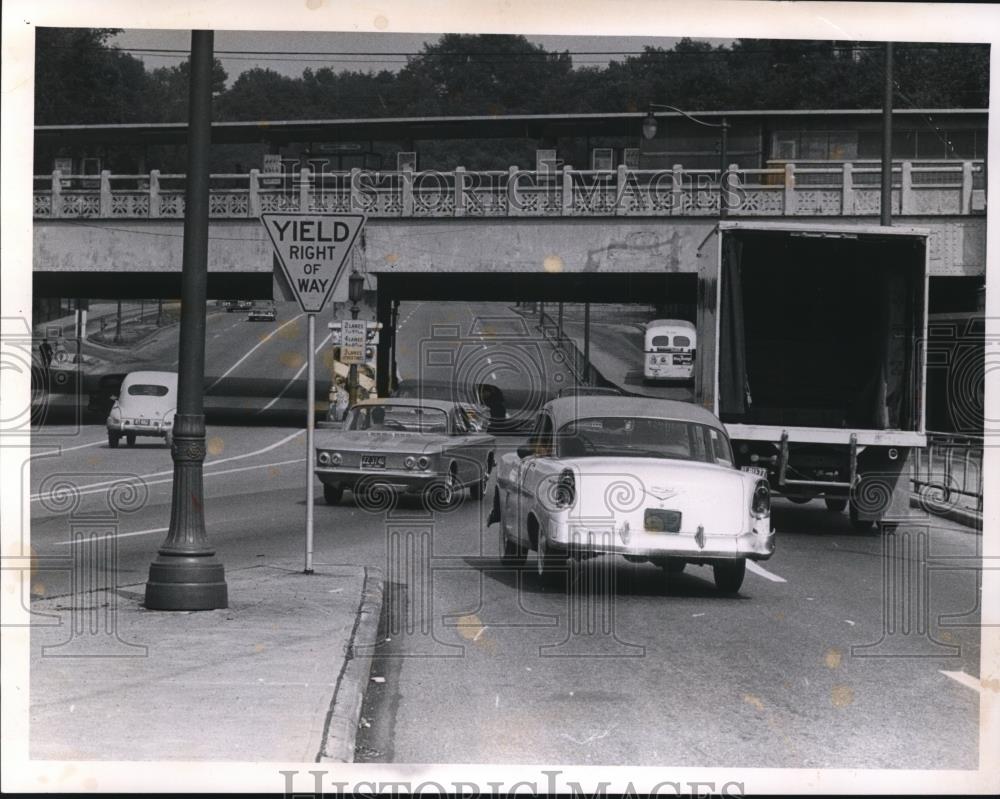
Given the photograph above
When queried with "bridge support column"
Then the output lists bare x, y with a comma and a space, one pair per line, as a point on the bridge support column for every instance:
384, 361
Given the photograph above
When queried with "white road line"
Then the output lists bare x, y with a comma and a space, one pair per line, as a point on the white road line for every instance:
965, 679
298, 374
253, 349
489, 360
206, 475
760, 570
57, 450
118, 535
215, 474
95, 487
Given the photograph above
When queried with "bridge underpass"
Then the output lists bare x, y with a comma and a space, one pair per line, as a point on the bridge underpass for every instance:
676, 290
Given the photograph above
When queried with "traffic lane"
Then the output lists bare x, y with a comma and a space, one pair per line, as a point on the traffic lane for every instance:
88, 458
474, 343
684, 676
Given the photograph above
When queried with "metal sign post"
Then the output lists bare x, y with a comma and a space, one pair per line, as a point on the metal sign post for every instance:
312, 250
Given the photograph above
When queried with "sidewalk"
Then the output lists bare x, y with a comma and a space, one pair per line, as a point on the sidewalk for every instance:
279, 675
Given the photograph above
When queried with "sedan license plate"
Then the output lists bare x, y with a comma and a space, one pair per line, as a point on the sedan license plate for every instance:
758, 470
658, 520
373, 461
144, 421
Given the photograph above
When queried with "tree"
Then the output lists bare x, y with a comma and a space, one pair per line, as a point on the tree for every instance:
80, 80
167, 92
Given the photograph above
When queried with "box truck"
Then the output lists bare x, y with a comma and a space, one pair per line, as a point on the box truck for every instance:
812, 353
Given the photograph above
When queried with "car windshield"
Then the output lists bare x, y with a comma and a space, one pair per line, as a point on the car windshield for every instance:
147, 390
644, 437
408, 418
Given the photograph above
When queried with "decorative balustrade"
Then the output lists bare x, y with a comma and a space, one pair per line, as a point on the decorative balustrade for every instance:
849, 189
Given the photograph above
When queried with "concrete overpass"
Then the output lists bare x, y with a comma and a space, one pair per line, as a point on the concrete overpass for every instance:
121, 235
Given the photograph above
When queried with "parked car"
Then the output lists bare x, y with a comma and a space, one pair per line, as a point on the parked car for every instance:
144, 406
262, 311
670, 346
475, 409
413, 445
653, 480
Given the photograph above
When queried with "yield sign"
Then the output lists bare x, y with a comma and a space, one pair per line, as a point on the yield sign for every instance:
312, 250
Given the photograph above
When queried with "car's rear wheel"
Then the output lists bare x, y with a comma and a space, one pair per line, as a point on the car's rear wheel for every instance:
729, 575
799, 500
672, 565
511, 552
443, 493
332, 494
547, 560
836, 504
113, 439
168, 438
130, 439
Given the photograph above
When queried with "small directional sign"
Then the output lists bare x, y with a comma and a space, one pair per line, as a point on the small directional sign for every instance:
353, 338
312, 250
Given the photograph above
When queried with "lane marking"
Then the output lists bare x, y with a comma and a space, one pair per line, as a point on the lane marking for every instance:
252, 350
58, 450
298, 374
153, 530
92, 488
118, 535
965, 679
762, 572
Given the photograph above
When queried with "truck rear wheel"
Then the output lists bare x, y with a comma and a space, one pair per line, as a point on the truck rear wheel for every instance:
859, 524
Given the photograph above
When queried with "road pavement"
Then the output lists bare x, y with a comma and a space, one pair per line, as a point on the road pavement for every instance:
609, 662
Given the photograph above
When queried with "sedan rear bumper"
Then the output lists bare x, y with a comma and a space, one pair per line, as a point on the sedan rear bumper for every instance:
400, 480
128, 427
752, 545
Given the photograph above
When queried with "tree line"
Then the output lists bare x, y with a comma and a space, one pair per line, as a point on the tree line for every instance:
82, 79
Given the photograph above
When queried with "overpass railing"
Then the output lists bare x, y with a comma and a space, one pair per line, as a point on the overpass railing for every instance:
848, 189
948, 474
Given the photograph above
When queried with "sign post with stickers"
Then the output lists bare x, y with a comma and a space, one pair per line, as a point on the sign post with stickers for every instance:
312, 250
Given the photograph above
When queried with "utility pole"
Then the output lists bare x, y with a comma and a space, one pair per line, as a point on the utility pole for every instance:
887, 140
186, 574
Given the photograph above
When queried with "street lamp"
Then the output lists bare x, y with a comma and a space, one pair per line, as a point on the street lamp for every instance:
650, 126
186, 574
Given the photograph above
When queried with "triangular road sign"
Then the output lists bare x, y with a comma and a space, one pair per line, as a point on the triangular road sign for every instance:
312, 250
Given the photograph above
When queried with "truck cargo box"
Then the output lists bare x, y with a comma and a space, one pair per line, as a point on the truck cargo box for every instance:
819, 328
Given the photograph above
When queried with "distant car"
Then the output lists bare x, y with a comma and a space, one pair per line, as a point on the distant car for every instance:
407, 445
145, 406
653, 480
475, 409
589, 391
267, 313
670, 346
237, 305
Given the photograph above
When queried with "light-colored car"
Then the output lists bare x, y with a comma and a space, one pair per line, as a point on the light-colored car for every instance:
145, 406
670, 347
653, 480
262, 312
414, 445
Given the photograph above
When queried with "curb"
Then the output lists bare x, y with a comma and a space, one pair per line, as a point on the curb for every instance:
966, 518
341, 728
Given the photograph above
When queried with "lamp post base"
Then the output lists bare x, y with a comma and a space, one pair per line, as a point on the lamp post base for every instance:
186, 582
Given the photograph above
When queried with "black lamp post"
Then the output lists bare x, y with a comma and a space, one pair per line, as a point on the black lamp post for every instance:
650, 126
355, 290
186, 574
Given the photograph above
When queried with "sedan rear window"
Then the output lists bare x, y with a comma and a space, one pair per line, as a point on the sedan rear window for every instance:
643, 437
147, 390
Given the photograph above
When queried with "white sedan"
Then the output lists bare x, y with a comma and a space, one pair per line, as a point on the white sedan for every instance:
145, 406
653, 480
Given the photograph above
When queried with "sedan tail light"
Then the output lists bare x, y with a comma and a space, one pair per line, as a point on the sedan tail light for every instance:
565, 491
760, 506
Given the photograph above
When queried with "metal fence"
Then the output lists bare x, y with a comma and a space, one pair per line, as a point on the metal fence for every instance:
948, 474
